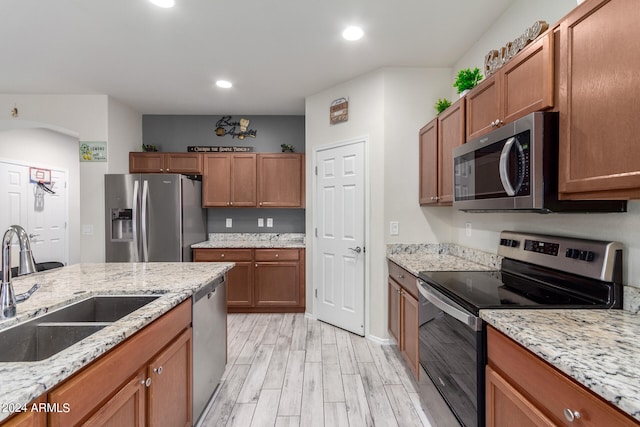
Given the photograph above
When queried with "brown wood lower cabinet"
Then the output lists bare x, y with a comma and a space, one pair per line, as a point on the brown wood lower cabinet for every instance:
263, 280
524, 390
144, 380
403, 314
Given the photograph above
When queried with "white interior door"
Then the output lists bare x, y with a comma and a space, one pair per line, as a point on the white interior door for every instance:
340, 236
42, 214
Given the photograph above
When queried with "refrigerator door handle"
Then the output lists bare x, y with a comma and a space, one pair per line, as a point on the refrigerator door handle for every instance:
134, 204
143, 222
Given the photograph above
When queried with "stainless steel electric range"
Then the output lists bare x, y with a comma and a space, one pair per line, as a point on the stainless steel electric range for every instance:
538, 271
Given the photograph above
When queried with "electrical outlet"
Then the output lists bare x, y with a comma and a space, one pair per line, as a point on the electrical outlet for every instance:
467, 229
394, 229
229, 223
269, 222
260, 222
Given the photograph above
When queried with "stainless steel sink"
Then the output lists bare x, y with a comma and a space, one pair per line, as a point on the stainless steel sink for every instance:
44, 336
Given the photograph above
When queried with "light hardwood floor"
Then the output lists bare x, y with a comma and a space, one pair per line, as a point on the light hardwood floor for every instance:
287, 370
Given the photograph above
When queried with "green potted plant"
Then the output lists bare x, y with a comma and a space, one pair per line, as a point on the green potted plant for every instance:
467, 79
442, 104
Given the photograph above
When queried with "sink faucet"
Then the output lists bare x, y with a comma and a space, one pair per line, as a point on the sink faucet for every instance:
8, 298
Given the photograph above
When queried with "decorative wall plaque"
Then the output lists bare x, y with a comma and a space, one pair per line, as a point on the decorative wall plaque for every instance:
339, 111
495, 59
212, 149
225, 126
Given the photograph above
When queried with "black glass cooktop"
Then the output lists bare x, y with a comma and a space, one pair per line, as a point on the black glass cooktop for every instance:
475, 290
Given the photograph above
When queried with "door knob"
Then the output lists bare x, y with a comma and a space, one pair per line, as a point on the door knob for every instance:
357, 249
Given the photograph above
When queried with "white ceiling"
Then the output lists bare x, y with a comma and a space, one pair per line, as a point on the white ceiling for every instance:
276, 52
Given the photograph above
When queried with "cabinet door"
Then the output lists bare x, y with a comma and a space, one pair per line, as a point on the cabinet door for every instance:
125, 409
215, 180
527, 80
277, 284
483, 107
429, 163
410, 343
281, 180
146, 162
599, 151
505, 406
451, 124
240, 285
29, 418
394, 311
188, 163
243, 180
169, 394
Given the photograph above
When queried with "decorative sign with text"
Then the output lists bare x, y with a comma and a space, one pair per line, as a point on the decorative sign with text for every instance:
93, 151
339, 111
495, 59
240, 130
211, 149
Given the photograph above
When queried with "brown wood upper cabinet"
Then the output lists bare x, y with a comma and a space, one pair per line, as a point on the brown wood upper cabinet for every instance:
229, 180
281, 180
437, 140
154, 162
249, 180
521, 86
598, 101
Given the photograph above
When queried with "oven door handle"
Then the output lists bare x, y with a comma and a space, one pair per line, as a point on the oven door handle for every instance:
449, 307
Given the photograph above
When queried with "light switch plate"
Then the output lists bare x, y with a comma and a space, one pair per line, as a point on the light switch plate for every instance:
229, 223
394, 228
269, 222
260, 222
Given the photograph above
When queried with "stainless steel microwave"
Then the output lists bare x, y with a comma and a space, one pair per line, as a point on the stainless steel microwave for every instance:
515, 168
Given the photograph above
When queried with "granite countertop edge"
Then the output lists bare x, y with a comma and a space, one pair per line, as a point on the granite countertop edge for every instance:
253, 241
22, 382
597, 348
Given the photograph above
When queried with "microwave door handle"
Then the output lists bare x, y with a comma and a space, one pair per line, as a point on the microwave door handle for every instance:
504, 173
441, 302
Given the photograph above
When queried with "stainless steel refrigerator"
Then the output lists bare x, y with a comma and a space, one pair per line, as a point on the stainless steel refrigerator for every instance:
152, 217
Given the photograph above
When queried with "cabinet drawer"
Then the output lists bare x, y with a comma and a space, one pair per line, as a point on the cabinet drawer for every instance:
277, 254
404, 278
548, 388
219, 255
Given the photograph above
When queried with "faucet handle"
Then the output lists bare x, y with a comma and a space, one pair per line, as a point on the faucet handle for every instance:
25, 296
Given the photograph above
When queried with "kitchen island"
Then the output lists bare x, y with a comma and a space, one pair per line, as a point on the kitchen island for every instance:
174, 282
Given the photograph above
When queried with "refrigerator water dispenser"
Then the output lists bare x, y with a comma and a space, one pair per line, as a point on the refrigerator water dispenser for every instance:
121, 225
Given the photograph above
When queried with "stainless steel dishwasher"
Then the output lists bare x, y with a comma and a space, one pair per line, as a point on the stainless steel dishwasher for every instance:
209, 342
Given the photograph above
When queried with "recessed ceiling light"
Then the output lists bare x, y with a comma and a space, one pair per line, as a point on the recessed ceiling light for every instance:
163, 3
223, 84
353, 33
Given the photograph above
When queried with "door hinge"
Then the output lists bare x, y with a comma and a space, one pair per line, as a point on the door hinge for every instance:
316, 292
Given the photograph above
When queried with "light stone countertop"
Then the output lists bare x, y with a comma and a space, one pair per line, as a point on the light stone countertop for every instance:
440, 257
21, 382
253, 240
598, 348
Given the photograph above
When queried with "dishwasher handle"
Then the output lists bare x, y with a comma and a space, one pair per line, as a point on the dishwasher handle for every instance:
208, 288
449, 307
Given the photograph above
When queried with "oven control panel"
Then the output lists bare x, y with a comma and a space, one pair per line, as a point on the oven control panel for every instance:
590, 258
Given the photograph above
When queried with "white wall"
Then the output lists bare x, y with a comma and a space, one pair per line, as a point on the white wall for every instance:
39, 146
93, 118
366, 119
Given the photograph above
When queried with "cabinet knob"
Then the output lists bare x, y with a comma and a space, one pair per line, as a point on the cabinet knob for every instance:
260, 203
167, 170
146, 382
221, 255
231, 203
277, 255
158, 370
570, 415
493, 124
400, 276
256, 264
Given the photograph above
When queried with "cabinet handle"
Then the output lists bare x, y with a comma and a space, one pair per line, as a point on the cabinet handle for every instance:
158, 370
571, 415
256, 264
400, 276
167, 170
146, 382
277, 255
221, 255
231, 203
260, 203
493, 124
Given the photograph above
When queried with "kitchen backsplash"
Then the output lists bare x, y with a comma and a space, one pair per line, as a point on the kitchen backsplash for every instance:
245, 220
484, 258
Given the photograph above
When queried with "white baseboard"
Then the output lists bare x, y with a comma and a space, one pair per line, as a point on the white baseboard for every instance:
308, 315
378, 340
